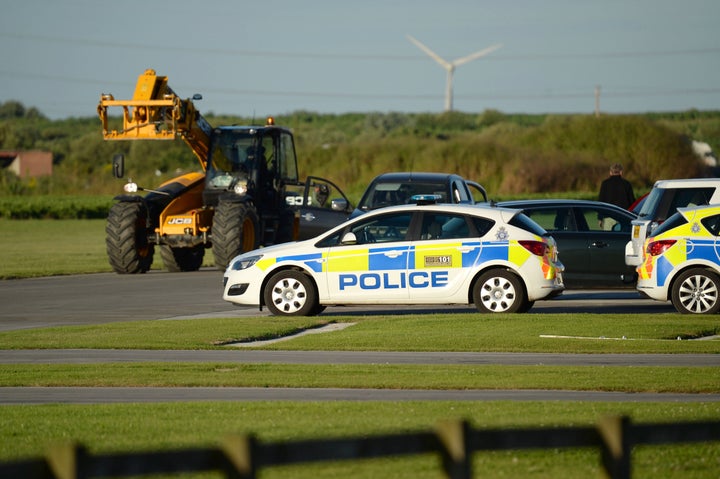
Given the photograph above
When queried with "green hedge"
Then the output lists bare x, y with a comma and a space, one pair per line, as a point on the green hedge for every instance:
55, 207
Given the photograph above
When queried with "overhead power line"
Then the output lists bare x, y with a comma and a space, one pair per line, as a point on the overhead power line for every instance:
344, 55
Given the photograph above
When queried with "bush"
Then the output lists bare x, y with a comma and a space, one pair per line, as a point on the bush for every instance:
55, 207
509, 154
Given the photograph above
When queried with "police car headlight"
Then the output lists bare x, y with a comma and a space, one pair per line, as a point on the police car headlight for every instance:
240, 188
245, 262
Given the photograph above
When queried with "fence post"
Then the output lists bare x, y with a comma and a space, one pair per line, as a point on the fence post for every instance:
239, 451
615, 446
456, 456
65, 461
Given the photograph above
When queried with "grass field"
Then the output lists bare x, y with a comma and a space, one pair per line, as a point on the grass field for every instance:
31, 248
45, 247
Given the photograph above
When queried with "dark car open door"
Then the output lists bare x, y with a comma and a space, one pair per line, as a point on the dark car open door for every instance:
322, 207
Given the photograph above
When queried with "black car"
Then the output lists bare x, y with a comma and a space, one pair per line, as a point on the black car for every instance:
591, 238
398, 188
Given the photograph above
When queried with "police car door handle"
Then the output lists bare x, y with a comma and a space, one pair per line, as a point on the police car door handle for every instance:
393, 254
466, 249
308, 216
599, 244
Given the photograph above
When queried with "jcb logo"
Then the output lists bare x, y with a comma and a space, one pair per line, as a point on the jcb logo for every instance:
179, 221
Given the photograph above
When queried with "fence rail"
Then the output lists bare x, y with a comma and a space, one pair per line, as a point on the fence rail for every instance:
241, 457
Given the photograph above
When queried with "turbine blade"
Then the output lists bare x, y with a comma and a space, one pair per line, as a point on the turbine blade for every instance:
476, 55
444, 63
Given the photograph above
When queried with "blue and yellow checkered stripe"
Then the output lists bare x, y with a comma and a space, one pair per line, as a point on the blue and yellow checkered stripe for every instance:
457, 255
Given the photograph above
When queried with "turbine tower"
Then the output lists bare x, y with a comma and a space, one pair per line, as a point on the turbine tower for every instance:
450, 66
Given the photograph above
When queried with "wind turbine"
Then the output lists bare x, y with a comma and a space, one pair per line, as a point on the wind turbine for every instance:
450, 66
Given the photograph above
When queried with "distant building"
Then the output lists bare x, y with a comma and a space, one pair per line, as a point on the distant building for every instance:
27, 163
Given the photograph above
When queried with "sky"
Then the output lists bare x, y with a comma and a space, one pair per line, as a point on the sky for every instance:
274, 57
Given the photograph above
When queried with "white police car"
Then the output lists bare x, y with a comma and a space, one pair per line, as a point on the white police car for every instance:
496, 258
681, 261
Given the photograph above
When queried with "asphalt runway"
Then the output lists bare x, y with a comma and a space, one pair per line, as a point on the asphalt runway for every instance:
109, 297
78, 395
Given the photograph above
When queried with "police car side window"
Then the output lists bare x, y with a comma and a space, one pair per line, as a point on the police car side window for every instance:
444, 226
482, 225
712, 223
382, 229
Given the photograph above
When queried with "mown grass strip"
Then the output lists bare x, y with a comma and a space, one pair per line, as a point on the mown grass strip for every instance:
375, 376
29, 430
432, 332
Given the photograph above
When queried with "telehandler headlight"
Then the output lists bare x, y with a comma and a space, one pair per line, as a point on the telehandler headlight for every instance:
244, 262
130, 187
240, 188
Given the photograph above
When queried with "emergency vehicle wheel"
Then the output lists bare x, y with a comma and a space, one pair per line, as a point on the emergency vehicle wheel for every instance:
235, 230
291, 293
126, 238
696, 291
499, 291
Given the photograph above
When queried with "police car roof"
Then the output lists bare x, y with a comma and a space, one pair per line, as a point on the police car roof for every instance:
484, 209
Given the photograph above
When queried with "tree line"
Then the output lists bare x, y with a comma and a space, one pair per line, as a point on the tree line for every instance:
510, 154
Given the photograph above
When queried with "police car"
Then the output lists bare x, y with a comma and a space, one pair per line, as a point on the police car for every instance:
496, 258
681, 261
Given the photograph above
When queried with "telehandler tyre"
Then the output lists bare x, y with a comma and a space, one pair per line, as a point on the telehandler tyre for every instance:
235, 230
182, 259
126, 238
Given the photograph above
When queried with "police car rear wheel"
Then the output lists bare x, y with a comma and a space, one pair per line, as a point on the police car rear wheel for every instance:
291, 293
696, 291
499, 291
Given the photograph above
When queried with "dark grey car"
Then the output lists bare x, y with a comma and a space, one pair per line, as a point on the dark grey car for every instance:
591, 238
398, 188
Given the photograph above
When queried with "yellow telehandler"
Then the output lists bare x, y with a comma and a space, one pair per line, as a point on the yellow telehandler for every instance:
248, 194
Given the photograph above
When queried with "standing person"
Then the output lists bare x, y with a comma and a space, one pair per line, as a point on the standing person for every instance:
615, 190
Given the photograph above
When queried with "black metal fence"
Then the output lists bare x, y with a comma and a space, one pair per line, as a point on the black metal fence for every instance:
241, 457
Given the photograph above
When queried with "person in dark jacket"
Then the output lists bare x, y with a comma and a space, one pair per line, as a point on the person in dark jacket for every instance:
615, 190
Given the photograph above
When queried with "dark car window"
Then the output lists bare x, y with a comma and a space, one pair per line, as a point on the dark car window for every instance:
552, 218
663, 202
601, 219
460, 193
399, 193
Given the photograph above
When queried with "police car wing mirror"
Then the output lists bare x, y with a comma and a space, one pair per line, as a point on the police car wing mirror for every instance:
339, 204
349, 238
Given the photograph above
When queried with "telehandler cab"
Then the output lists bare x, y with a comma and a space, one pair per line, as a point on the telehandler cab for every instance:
247, 195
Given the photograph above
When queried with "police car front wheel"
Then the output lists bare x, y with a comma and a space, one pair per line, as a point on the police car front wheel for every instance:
291, 293
499, 291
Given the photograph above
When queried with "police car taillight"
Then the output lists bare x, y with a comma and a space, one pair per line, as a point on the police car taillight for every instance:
655, 248
538, 248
